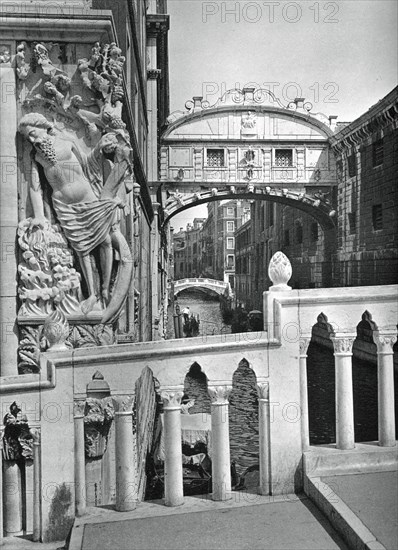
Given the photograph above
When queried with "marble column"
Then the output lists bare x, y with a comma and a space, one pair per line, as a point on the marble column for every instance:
345, 436
80, 461
155, 271
305, 432
384, 341
126, 483
12, 499
36, 486
221, 461
173, 474
8, 220
264, 437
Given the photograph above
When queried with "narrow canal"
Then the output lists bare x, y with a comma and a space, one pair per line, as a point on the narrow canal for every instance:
243, 415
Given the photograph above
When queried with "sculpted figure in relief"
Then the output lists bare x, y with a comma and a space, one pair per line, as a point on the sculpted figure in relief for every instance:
85, 206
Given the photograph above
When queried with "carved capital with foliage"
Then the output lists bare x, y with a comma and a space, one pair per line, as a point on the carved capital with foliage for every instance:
219, 394
384, 341
171, 397
342, 343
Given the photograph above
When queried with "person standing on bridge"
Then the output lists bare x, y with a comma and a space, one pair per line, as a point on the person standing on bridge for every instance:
186, 312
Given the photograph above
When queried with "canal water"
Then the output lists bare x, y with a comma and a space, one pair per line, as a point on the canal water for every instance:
243, 417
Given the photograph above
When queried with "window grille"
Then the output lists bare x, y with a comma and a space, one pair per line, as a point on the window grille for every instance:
377, 217
215, 158
283, 158
378, 153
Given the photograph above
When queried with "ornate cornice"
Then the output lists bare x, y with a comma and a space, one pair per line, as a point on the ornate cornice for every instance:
379, 117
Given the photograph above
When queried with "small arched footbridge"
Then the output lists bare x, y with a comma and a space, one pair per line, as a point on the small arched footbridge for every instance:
208, 286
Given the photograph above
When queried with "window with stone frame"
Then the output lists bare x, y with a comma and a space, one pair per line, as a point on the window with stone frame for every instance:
230, 243
378, 152
352, 165
230, 226
352, 222
283, 158
230, 260
377, 216
215, 158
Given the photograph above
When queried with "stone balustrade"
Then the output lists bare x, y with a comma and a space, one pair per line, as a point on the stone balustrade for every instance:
277, 357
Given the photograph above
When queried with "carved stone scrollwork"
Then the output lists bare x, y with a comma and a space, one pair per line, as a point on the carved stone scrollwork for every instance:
98, 417
219, 395
385, 342
17, 439
263, 390
280, 271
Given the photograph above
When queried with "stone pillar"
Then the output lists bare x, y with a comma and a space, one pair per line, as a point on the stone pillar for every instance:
36, 486
384, 341
155, 271
80, 461
345, 437
221, 461
126, 485
12, 499
173, 475
8, 220
264, 438
305, 431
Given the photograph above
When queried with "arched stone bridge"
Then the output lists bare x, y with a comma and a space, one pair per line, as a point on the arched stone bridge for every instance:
209, 286
311, 203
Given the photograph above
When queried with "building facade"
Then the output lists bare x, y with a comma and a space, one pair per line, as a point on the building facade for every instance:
364, 251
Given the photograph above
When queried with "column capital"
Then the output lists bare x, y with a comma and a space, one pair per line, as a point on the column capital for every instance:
263, 390
385, 340
171, 397
304, 342
123, 404
78, 407
219, 393
156, 206
343, 342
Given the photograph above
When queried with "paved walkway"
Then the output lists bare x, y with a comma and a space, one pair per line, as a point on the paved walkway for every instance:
246, 522
373, 497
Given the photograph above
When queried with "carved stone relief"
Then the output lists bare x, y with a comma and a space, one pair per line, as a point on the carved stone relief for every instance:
17, 439
98, 417
78, 159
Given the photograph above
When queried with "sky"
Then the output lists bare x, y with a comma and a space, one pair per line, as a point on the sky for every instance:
340, 55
